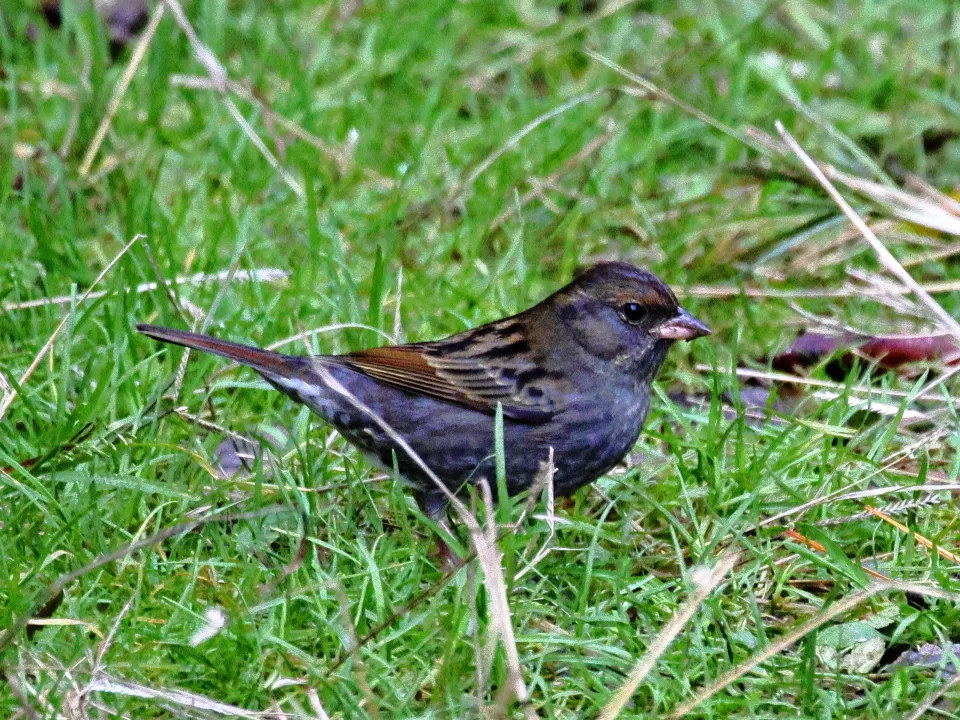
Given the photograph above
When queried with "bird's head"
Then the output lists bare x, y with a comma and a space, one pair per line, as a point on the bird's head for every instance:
624, 315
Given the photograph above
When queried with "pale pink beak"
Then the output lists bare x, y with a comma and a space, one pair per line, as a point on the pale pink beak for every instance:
682, 327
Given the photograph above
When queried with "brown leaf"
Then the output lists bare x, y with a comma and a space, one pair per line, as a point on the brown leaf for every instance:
888, 351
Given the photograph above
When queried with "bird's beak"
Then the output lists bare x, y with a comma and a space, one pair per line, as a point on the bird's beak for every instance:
682, 327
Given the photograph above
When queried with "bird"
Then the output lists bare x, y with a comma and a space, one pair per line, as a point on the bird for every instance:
571, 378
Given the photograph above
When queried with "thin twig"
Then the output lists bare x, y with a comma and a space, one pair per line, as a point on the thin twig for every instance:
121, 88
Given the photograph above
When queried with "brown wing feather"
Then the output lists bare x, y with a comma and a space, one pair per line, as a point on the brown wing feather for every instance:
406, 368
474, 369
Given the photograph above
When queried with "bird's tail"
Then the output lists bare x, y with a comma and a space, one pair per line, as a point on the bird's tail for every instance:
263, 361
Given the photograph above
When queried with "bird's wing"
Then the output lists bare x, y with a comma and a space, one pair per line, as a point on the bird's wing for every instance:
478, 369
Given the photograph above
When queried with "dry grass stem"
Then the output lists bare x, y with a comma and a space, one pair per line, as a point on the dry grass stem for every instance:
773, 376
105, 644
845, 494
544, 482
12, 393
210, 426
824, 616
500, 610
891, 509
55, 588
463, 188
649, 89
925, 590
20, 693
65, 622
937, 381
932, 210
814, 545
926, 542
218, 74
922, 709
571, 163
316, 705
121, 88
479, 668
719, 291
359, 670
858, 495
883, 254
921, 187
342, 157
104, 683
5, 388
167, 286
330, 328
487, 552
943, 253
266, 275
902, 204
205, 323
704, 581
908, 416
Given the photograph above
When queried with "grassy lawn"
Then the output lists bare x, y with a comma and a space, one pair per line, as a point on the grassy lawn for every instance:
336, 176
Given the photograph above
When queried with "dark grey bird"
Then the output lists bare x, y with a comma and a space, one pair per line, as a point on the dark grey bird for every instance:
572, 374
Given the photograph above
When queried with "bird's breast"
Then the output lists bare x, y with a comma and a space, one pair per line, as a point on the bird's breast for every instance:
591, 437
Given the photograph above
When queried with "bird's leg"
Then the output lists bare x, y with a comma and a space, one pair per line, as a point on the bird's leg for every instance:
449, 560
434, 506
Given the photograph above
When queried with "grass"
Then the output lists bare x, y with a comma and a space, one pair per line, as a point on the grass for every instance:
432, 201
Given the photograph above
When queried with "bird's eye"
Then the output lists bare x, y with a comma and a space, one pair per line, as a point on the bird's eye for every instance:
633, 312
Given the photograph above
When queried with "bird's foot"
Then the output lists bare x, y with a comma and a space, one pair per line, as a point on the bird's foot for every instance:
449, 560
